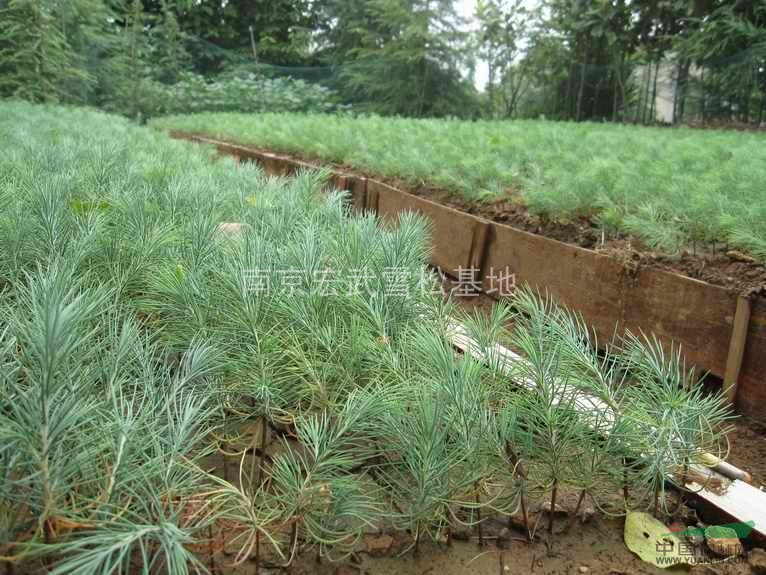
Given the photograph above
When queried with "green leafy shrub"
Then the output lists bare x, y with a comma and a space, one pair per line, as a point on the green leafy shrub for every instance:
248, 93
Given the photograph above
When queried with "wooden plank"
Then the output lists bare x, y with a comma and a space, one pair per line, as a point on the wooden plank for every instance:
372, 198
354, 185
358, 189
733, 501
481, 232
579, 279
694, 314
452, 232
751, 384
736, 348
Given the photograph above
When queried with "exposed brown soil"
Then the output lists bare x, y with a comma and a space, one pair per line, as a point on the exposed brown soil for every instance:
716, 265
593, 544
728, 268
596, 548
748, 449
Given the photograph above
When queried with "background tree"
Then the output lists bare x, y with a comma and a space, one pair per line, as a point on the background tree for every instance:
502, 38
37, 62
408, 59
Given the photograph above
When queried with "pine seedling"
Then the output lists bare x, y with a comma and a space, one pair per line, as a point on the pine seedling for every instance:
425, 473
557, 369
322, 496
673, 422
509, 442
437, 453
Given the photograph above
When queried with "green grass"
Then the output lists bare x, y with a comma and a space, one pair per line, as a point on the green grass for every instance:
671, 188
132, 347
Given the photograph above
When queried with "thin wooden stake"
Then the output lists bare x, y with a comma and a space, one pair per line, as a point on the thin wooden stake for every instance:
416, 552
625, 494
736, 348
554, 492
525, 515
225, 462
657, 497
257, 551
261, 455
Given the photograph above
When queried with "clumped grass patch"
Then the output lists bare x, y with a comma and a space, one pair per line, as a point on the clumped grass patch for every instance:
671, 188
134, 346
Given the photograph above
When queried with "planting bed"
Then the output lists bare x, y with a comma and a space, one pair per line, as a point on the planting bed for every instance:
720, 331
180, 392
647, 191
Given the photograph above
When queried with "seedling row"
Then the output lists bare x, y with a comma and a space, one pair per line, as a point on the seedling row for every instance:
671, 190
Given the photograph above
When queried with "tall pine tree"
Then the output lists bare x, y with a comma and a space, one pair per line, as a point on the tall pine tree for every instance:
36, 61
408, 59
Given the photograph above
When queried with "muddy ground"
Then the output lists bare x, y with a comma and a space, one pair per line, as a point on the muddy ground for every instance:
591, 544
595, 547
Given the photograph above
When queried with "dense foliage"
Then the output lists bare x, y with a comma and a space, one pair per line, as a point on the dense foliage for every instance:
140, 336
251, 93
669, 188
698, 60
130, 60
621, 61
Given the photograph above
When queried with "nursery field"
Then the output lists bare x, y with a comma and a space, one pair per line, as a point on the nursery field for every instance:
205, 369
669, 190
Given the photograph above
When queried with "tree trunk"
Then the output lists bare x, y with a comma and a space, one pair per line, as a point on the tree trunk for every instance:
639, 110
703, 102
581, 89
682, 81
491, 87
653, 106
568, 93
647, 91
615, 91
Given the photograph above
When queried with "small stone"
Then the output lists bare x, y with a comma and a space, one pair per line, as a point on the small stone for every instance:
757, 561
725, 546
583, 569
586, 514
696, 539
723, 541
676, 527
378, 545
